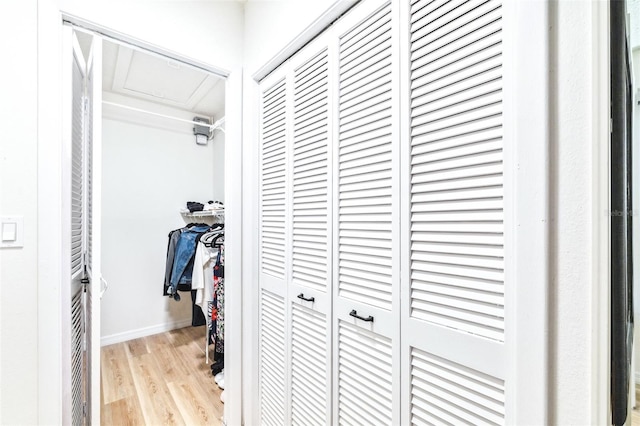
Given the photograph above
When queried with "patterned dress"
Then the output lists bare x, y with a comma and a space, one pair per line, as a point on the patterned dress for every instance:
218, 304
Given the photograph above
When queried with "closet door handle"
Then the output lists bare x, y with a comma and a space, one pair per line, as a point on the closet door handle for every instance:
354, 314
308, 299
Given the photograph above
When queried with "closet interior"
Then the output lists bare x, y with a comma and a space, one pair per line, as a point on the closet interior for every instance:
162, 238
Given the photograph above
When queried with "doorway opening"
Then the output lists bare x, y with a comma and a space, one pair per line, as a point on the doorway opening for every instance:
159, 169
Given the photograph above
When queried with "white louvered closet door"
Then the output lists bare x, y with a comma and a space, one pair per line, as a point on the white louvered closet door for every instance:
310, 283
454, 362
93, 139
75, 183
81, 153
366, 219
275, 218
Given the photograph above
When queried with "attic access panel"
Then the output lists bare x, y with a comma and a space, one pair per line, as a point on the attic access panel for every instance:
160, 80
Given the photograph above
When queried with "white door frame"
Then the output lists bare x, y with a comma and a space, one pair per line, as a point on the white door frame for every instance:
601, 224
50, 203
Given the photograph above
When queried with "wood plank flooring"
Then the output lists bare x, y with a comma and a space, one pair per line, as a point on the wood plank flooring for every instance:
635, 414
159, 380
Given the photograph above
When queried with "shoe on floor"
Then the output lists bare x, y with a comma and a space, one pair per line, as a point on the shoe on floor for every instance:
221, 383
219, 376
222, 396
216, 368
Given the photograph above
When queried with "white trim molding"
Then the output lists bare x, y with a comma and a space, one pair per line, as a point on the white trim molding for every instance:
601, 265
144, 332
526, 176
81, 24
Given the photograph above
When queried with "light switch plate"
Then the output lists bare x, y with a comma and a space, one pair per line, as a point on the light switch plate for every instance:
11, 231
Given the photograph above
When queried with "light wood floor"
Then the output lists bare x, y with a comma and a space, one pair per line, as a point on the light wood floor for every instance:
635, 414
159, 380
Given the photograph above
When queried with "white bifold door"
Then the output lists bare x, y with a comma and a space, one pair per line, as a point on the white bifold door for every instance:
295, 267
453, 324
82, 88
382, 290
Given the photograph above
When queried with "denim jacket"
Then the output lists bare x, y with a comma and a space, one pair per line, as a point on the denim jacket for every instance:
183, 257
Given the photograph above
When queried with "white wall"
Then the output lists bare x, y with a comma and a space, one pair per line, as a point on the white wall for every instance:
18, 196
576, 211
269, 25
208, 31
149, 173
218, 146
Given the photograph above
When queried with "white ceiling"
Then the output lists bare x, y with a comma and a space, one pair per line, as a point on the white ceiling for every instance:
149, 77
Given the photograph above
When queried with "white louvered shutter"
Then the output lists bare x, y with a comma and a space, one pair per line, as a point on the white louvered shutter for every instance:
272, 358
366, 223
78, 228
80, 352
310, 284
453, 316
78, 235
274, 256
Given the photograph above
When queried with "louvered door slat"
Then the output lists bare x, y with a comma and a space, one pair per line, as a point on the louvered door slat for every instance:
308, 366
451, 392
478, 104
366, 196
438, 13
469, 24
89, 171
455, 296
310, 168
77, 373
451, 55
377, 51
273, 186
77, 171
367, 31
273, 234
272, 358
364, 376
309, 286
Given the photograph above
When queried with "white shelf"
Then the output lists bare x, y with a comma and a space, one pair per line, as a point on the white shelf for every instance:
217, 215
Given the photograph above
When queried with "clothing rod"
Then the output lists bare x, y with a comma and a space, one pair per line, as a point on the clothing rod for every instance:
213, 126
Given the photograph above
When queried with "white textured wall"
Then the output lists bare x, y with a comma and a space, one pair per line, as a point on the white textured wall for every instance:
149, 174
269, 25
572, 215
18, 196
209, 31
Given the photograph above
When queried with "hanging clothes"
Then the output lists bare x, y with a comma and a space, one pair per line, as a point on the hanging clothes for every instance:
202, 277
218, 285
183, 256
179, 268
180, 257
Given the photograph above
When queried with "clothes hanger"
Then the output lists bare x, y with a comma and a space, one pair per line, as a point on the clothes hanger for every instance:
215, 242
207, 238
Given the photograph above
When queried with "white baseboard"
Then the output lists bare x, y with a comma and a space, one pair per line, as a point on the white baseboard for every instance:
637, 377
143, 332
